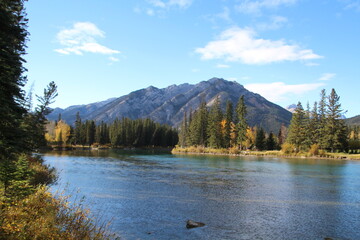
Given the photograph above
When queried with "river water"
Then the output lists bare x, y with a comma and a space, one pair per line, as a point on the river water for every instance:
150, 195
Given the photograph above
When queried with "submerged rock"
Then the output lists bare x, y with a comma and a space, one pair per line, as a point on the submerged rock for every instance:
193, 224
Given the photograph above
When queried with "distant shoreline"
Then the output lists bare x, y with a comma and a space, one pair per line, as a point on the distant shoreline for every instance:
279, 154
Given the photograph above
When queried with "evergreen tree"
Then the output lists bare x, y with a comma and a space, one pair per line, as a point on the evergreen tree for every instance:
322, 119
184, 132
282, 135
260, 139
214, 125
198, 126
335, 126
308, 135
228, 120
241, 125
270, 142
315, 125
13, 36
297, 129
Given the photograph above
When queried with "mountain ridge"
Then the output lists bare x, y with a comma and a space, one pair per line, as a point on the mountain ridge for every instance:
168, 105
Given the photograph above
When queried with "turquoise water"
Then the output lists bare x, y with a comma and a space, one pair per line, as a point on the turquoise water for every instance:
150, 196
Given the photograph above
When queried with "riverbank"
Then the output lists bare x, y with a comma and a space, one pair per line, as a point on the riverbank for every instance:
274, 153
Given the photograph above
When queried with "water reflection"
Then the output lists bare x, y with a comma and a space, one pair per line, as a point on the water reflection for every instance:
150, 196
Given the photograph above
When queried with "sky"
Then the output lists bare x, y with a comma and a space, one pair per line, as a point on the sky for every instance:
285, 50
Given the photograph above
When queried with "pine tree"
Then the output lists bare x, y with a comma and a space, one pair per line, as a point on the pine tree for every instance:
335, 126
183, 132
297, 129
77, 130
214, 125
322, 119
241, 125
315, 125
270, 142
198, 126
308, 128
228, 120
260, 139
13, 36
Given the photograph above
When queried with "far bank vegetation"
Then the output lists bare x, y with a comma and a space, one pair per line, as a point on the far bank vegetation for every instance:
317, 131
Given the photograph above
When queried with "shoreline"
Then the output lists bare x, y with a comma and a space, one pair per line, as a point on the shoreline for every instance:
329, 156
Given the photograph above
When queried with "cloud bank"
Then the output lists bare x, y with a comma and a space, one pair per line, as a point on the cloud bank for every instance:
241, 45
279, 91
81, 38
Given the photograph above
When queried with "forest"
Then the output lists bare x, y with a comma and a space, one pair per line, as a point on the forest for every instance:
123, 132
320, 128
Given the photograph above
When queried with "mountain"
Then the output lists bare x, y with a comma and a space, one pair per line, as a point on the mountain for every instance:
291, 108
167, 105
354, 121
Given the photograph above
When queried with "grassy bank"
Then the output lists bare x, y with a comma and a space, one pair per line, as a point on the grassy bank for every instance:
29, 211
237, 152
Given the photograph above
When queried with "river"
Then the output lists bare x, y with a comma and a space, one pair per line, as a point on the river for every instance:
151, 195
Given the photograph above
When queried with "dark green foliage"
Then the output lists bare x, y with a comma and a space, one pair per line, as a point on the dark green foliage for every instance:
322, 126
335, 128
13, 36
125, 133
198, 126
184, 132
241, 124
297, 129
214, 125
260, 140
229, 115
270, 142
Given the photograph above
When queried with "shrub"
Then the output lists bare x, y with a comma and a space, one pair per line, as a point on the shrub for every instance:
41, 216
288, 148
314, 150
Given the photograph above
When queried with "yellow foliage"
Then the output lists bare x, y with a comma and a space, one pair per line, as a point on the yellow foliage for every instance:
62, 132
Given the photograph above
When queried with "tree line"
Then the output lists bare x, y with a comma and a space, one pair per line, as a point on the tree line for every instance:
123, 132
322, 126
211, 127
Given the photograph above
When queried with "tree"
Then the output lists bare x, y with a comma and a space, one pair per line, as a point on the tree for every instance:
183, 132
297, 129
13, 36
198, 126
335, 128
241, 125
260, 142
62, 132
229, 114
270, 142
214, 125
322, 119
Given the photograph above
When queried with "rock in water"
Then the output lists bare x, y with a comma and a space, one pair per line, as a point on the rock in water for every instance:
193, 224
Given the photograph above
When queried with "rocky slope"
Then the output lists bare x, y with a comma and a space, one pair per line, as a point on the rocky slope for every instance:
168, 105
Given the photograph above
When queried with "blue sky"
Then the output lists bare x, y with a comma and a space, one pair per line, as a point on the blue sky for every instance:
286, 50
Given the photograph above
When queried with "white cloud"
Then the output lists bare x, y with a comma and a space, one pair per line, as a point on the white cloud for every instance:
327, 76
81, 38
240, 45
171, 3
222, 66
275, 22
232, 79
255, 7
278, 91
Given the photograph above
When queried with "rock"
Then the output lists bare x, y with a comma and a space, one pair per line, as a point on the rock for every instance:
193, 224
